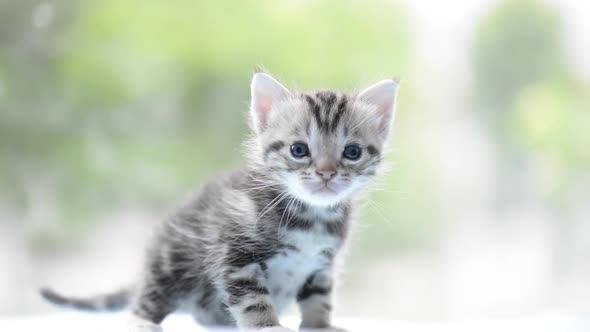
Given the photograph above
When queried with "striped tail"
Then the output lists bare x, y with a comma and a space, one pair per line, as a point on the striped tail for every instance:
107, 302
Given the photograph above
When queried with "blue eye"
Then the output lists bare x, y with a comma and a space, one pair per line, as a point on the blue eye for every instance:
352, 152
299, 150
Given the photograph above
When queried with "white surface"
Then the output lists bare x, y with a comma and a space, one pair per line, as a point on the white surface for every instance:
77, 322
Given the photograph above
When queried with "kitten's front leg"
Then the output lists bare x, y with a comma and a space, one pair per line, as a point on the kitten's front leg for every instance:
249, 300
315, 302
138, 324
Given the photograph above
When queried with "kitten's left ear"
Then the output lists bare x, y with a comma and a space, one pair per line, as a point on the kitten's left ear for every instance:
266, 92
383, 95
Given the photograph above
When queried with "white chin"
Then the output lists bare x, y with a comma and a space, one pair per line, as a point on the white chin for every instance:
322, 200
319, 198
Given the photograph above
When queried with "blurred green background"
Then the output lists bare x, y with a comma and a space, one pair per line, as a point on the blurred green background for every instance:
112, 110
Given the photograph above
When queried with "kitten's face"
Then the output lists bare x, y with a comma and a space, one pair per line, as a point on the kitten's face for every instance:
322, 146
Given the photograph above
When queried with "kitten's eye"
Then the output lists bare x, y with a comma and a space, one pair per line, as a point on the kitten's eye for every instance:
299, 150
352, 152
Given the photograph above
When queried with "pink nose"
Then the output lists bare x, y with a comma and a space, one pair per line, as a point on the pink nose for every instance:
326, 174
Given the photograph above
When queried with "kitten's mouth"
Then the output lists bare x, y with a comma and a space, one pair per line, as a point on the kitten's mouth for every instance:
322, 193
323, 188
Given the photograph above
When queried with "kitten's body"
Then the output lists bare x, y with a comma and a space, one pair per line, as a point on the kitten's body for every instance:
248, 243
224, 232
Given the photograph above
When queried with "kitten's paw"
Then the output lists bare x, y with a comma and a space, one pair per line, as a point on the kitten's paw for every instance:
137, 324
275, 329
323, 329
145, 328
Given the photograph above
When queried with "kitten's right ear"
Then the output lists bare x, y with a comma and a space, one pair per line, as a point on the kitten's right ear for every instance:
383, 96
266, 92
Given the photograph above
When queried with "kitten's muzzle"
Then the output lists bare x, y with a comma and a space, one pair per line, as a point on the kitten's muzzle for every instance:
326, 169
325, 187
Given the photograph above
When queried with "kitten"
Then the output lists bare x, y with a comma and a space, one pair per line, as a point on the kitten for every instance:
250, 242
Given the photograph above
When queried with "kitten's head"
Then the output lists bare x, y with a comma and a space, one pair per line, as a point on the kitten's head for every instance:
322, 146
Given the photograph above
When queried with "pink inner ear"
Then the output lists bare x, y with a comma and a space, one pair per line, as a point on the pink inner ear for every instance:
386, 117
265, 91
385, 108
382, 95
264, 106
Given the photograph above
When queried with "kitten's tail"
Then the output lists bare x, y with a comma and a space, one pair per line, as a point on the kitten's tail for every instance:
106, 302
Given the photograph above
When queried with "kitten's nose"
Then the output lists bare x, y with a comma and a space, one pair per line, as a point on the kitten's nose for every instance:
326, 170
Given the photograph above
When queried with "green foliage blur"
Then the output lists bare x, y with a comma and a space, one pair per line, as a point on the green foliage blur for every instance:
518, 44
112, 104
531, 100
108, 105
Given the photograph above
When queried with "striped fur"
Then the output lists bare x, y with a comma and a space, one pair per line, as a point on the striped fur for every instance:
250, 242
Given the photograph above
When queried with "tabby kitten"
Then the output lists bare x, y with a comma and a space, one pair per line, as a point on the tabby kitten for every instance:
249, 243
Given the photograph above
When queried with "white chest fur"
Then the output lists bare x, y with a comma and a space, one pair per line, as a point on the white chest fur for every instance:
308, 251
